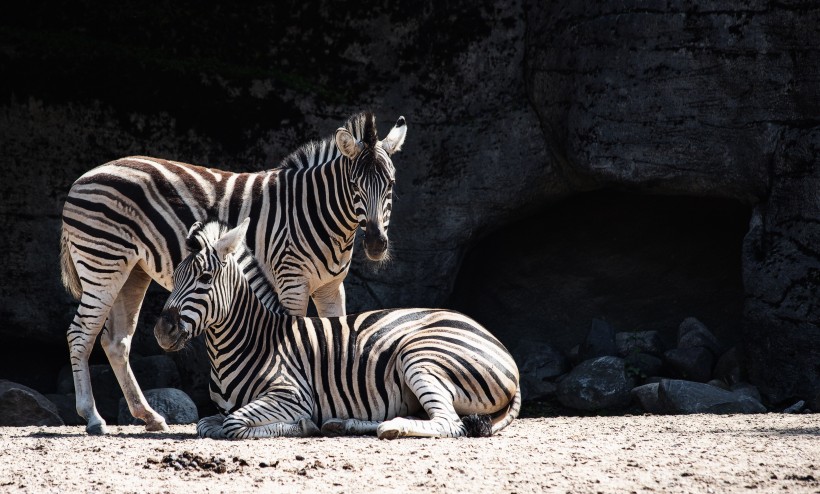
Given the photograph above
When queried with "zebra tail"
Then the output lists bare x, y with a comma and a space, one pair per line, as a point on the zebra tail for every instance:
478, 425
499, 422
71, 280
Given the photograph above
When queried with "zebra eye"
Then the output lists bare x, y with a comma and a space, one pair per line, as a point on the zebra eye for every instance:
205, 278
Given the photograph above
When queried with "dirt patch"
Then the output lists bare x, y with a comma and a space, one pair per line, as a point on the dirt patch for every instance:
685, 453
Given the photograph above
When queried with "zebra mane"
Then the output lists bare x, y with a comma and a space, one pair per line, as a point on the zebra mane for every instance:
363, 127
207, 233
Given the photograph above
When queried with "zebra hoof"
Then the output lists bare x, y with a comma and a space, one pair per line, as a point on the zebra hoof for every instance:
96, 429
333, 428
309, 428
388, 433
159, 425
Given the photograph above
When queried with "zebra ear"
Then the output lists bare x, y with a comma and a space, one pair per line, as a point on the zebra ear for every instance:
194, 228
231, 240
347, 144
395, 138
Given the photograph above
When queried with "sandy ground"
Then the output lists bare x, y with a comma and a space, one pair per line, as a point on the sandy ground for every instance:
668, 454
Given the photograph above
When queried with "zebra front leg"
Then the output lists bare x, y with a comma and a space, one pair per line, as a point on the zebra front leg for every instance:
211, 427
116, 341
349, 427
271, 415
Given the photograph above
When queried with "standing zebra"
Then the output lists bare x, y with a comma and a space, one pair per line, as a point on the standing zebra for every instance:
275, 374
124, 223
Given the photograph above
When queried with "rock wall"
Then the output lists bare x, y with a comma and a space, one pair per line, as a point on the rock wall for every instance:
702, 99
511, 105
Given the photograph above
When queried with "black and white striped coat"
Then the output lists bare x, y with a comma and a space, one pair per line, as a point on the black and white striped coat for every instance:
276, 374
124, 223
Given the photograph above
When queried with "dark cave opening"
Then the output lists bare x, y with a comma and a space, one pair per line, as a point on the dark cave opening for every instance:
640, 262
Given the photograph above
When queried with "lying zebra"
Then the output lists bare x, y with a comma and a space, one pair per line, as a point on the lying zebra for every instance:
276, 374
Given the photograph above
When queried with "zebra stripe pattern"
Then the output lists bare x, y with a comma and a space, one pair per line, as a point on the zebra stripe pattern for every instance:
276, 374
124, 224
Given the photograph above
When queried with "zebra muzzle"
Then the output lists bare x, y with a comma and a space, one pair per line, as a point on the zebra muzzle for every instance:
170, 332
375, 242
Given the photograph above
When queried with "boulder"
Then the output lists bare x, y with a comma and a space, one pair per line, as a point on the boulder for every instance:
642, 366
67, 407
647, 396
684, 397
22, 406
629, 342
538, 364
597, 384
692, 363
539, 360
173, 404
693, 334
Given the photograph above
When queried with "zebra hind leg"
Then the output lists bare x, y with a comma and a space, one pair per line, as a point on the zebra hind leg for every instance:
437, 401
88, 321
116, 341
349, 427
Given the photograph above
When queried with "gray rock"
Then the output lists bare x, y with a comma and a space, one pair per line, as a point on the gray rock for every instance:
538, 364
173, 404
796, 408
683, 397
629, 342
535, 390
692, 334
746, 389
718, 383
692, 363
539, 360
647, 396
67, 407
596, 384
643, 365
599, 341
22, 406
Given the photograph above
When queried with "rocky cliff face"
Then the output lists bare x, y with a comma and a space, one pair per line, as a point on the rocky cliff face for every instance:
512, 106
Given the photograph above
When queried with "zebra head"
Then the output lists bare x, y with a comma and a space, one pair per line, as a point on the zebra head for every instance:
204, 285
371, 180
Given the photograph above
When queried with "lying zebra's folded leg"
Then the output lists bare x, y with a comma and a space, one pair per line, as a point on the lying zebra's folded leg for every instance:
266, 417
211, 426
349, 427
437, 401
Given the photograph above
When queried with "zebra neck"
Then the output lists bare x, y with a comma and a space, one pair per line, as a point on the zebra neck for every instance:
251, 319
258, 281
326, 193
